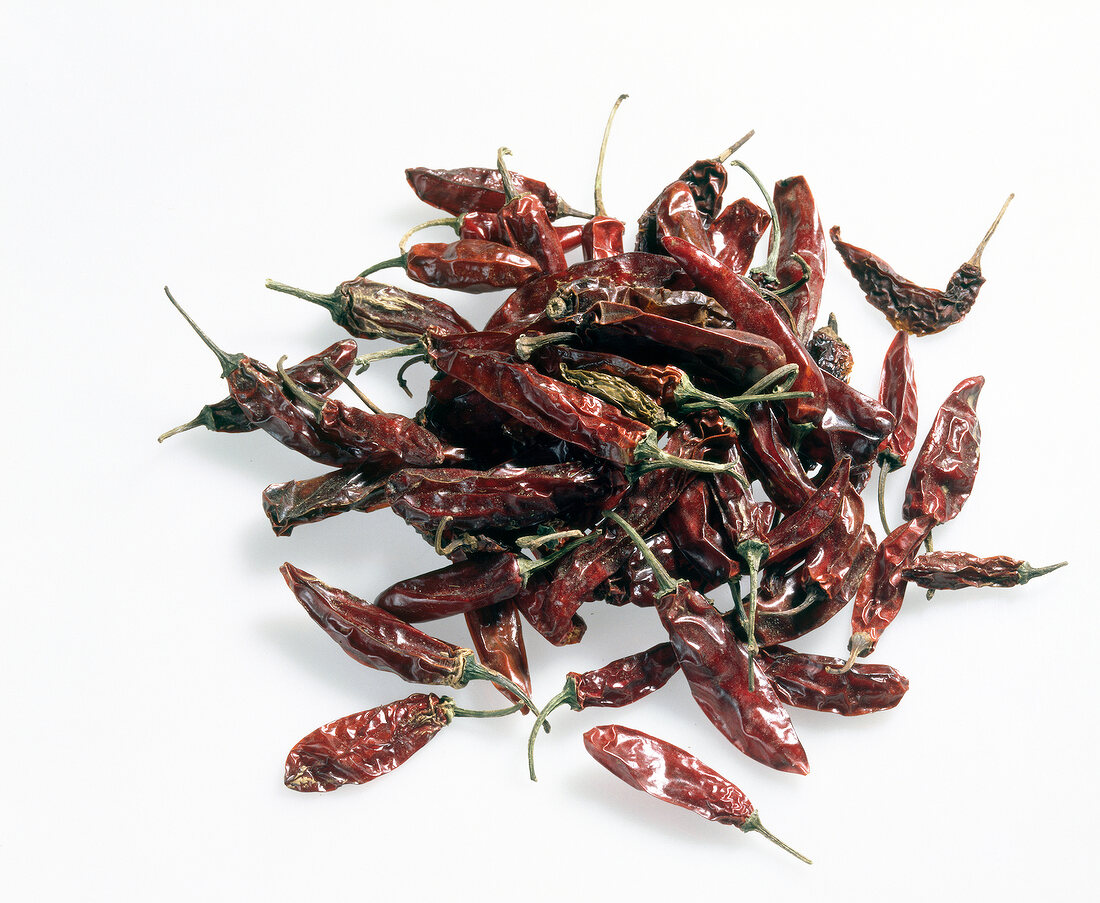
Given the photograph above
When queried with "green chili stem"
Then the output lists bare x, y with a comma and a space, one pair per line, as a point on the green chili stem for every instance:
229, 362
506, 177
527, 565
664, 579
482, 713
405, 366
883, 471
452, 221
331, 303
472, 669
568, 695
647, 457
752, 552
200, 420
753, 824
534, 541
772, 263
1027, 572
365, 360
384, 264
300, 394
354, 388
598, 188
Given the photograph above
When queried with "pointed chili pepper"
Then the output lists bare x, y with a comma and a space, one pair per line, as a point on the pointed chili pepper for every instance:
814, 682
735, 233
467, 265
910, 307
798, 529
603, 235
673, 775
496, 634
955, 570
676, 214
897, 391
351, 488
617, 684
358, 748
801, 253
526, 225
373, 310
473, 188
689, 523
487, 226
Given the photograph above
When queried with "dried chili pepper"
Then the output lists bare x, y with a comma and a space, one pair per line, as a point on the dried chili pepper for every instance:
677, 215
602, 235
617, 684
496, 634
955, 570
910, 307
897, 391
799, 528
830, 351
358, 748
352, 488
467, 265
800, 260
473, 188
526, 225
814, 682
735, 233
673, 775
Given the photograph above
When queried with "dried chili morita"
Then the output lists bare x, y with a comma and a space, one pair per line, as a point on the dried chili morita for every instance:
908, 306
669, 773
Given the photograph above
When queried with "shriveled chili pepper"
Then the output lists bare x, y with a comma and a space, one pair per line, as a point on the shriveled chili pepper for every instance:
575, 298
474, 188
675, 776
830, 351
374, 310
735, 233
676, 214
897, 391
467, 265
798, 529
380, 640
226, 416
801, 254
955, 570
487, 226
689, 523
908, 306
769, 449
526, 224
636, 582
944, 470
352, 488
602, 235
813, 682
629, 399
496, 634
358, 748
617, 684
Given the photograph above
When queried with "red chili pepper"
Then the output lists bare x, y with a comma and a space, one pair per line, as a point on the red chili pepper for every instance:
689, 523
473, 188
814, 682
801, 237
671, 774
675, 214
955, 570
352, 488
487, 227
736, 232
467, 265
526, 225
798, 529
497, 636
602, 235
897, 391
908, 306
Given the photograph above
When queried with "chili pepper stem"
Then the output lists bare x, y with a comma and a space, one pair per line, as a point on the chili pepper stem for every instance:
533, 542
752, 823
664, 579
772, 263
568, 695
647, 457
364, 361
527, 565
598, 187
928, 548
1027, 572
802, 280
294, 389
483, 713
884, 468
811, 597
505, 176
472, 669
735, 147
419, 358
858, 644
329, 302
976, 258
451, 221
354, 388
229, 362
201, 420
526, 345
384, 265
753, 552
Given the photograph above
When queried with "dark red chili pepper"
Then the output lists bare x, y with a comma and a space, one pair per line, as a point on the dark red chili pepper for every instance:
908, 306
636, 583
226, 416
467, 265
801, 259
813, 682
955, 570
673, 775
689, 521
497, 636
620, 683
378, 639
854, 426
897, 392
473, 188
735, 233
374, 310
830, 351
487, 227
741, 515
798, 529
676, 214
769, 449
945, 468
525, 223
754, 314
602, 235
352, 488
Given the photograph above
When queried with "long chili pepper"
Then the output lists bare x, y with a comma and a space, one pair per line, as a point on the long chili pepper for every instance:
358, 748
575, 298
897, 391
617, 684
526, 225
767, 446
602, 235
798, 529
496, 634
955, 570
814, 682
675, 776
374, 310
717, 666
641, 584
226, 416
629, 399
801, 253
467, 265
754, 314
378, 639
351, 488
911, 307
832, 353
944, 470
473, 188
735, 233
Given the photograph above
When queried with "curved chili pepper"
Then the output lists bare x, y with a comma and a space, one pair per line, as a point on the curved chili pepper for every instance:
801, 237
908, 306
798, 529
813, 682
676, 214
526, 225
854, 426
897, 392
768, 448
496, 634
474, 188
352, 488
602, 236
735, 233
617, 684
374, 310
673, 775
955, 570
688, 521
487, 227
945, 468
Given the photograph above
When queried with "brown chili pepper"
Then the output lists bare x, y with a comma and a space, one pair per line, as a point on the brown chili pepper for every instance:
226, 416
945, 468
830, 351
813, 682
735, 233
496, 634
671, 774
352, 488
955, 570
373, 310
897, 392
908, 306
473, 188
617, 684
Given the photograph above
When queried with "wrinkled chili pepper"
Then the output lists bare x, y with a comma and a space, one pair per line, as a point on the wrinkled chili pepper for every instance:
352, 488
689, 522
467, 265
830, 351
673, 775
813, 682
617, 684
735, 233
897, 392
910, 307
526, 225
496, 634
801, 253
473, 188
799, 528
955, 570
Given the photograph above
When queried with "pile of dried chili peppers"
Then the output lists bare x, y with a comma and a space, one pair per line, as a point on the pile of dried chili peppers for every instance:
600, 440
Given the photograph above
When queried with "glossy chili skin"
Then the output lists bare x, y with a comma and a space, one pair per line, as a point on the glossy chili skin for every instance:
956, 570
358, 748
689, 521
226, 416
754, 314
374, 637
469, 265
796, 531
356, 436
455, 589
742, 517
736, 232
800, 233
527, 227
944, 470
706, 181
717, 665
659, 382
767, 446
352, 488
832, 353
496, 634
854, 426
623, 681
602, 236
474, 188
910, 307
897, 392
812, 682
676, 214
637, 583
667, 773
487, 226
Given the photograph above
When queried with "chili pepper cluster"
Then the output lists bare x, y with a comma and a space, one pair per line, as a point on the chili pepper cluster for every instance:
599, 440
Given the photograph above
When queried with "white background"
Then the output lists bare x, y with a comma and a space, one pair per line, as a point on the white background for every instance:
155, 668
